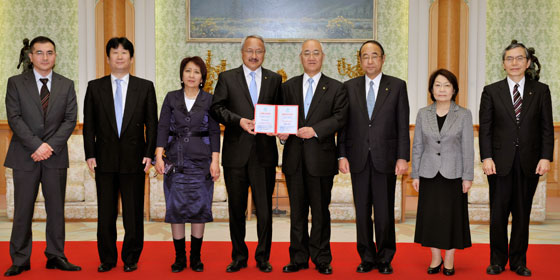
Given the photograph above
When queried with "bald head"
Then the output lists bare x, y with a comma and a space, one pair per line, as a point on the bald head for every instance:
311, 56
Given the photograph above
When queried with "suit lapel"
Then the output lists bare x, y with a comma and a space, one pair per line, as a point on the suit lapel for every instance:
528, 95
243, 85
130, 103
33, 91
505, 96
322, 87
55, 91
360, 93
106, 93
383, 93
265, 83
298, 91
450, 119
432, 120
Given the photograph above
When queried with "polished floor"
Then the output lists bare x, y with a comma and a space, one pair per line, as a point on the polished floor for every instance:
545, 233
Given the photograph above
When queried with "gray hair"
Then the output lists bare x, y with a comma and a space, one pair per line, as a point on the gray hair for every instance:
258, 37
320, 44
514, 44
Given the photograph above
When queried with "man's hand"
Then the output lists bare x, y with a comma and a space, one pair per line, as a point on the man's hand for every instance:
306, 132
248, 125
416, 184
148, 164
343, 165
401, 167
42, 153
488, 166
92, 164
160, 165
215, 170
283, 136
466, 186
543, 167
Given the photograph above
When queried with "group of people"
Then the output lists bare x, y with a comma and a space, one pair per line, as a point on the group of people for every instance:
359, 127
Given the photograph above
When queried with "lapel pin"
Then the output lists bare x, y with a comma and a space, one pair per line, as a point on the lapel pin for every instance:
386, 89
324, 88
265, 77
530, 93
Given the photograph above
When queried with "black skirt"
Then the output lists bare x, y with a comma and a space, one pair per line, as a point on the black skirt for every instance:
442, 219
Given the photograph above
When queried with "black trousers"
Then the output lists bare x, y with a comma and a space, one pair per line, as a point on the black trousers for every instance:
26, 187
512, 193
261, 179
131, 189
306, 191
373, 188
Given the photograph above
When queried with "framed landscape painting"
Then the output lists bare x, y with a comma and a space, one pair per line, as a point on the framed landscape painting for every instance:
281, 20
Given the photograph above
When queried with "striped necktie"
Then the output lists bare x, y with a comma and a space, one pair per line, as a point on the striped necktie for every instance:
517, 102
45, 94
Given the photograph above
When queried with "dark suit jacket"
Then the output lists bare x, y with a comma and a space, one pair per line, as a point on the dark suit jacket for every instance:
175, 117
498, 127
326, 115
31, 129
101, 140
385, 136
232, 102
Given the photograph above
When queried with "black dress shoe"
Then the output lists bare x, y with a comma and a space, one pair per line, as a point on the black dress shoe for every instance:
235, 266
62, 264
522, 271
324, 268
104, 267
494, 269
434, 270
178, 266
365, 267
295, 267
448, 272
264, 266
197, 266
16, 269
130, 267
385, 268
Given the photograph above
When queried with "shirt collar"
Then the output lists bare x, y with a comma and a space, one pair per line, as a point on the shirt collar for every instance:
248, 71
124, 79
38, 76
511, 84
376, 80
315, 78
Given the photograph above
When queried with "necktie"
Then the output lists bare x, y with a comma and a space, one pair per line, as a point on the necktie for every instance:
45, 94
370, 99
253, 89
308, 97
517, 101
118, 105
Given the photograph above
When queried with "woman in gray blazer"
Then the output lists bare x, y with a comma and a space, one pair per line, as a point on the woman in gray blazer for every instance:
442, 172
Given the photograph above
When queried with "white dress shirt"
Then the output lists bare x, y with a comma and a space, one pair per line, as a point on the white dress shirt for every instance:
39, 83
258, 77
520, 88
124, 88
306, 83
376, 82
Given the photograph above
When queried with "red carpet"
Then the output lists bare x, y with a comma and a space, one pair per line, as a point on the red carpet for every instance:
410, 262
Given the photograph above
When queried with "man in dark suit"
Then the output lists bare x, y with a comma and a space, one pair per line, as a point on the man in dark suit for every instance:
41, 108
248, 159
516, 140
375, 147
309, 159
120, 125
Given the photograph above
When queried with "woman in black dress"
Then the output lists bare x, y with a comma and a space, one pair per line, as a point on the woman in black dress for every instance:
191, 141
442, 172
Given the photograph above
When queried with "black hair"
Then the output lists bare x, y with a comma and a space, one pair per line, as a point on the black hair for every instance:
372, 42
199, 62
115, 42
449, 76
41, 39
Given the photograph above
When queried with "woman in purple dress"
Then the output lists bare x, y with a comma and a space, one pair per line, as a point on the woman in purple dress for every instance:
190, 139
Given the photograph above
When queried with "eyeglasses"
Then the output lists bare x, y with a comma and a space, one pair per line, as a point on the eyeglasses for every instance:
307, 54
41, 53
250, 52
510, 59
374, 57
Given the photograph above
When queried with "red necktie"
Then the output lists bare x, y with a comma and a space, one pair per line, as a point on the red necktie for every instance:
45, 95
